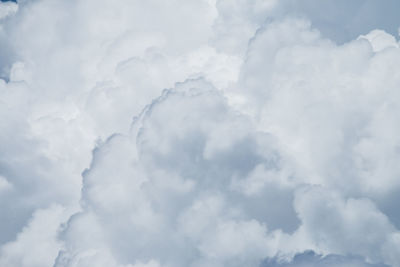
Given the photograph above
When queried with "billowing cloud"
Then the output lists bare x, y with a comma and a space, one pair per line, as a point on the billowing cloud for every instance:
182, 190
199, 133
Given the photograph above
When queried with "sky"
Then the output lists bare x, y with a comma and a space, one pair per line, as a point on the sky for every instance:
199, 133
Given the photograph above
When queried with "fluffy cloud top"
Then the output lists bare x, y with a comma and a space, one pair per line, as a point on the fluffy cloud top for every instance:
199, 133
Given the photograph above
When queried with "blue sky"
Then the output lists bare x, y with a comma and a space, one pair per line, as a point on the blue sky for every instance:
344, 20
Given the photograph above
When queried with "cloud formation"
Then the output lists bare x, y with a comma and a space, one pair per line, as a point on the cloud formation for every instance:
199, 133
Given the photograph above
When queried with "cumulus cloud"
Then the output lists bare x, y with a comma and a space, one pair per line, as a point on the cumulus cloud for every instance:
199, 133
42, 229
7, 9
176, 200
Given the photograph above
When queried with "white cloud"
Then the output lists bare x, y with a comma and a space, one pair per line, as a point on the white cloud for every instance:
380, 40
352, 226
37, 244
272, 141
4, 184
169, 185
7, 9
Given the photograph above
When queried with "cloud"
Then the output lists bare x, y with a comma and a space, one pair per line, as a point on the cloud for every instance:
199, 133
176, 200
64, 88
42, 229
340, 225
325, 102
7, 9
